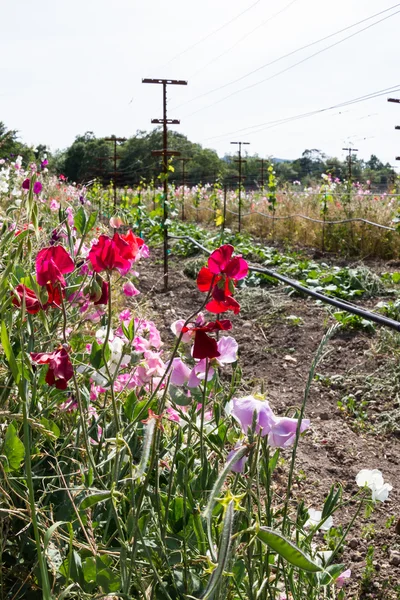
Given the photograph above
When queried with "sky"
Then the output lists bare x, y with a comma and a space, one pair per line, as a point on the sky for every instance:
74, 66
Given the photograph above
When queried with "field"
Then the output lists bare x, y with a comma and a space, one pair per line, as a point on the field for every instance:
216, 439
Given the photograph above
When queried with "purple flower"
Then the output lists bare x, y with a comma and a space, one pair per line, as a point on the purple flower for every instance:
26, 184
37, 187
238, 466
243, 410
44, 163
283, 431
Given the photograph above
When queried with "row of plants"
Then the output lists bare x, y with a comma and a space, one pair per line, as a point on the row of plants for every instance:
131, 468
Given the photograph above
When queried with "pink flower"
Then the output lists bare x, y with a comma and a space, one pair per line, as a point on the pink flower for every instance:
227, 348
116, 222
244, 409
54, 205
129, 289
341, 580
180, 372
239, 466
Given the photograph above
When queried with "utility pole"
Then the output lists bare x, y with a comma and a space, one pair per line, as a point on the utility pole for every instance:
115, 141
262, 182
240, 160
183, 183
165, 153
349, 159
396, 101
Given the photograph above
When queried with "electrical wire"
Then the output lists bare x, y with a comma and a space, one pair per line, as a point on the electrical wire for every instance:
252, 85
291, 54
240, 40
283, 121
206, 37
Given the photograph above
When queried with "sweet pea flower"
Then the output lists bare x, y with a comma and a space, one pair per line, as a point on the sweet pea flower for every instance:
221, 275
204, 346
116, 222
51, 264
227, 348
315, 517
198, 373
129, 289
60, 367
37, 187
243, 409
108, 254
54, 205
26, 184
373, 479
341, 580
283, 431
176, 329
180, 372
238, 466
70, 215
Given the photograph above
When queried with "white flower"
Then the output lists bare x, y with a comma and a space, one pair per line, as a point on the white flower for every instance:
315, 517
373, 479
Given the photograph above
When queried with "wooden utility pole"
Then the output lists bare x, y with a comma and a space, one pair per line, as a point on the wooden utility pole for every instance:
183, 183
349, 160
115, 141
396, 101
240, 160
165, 153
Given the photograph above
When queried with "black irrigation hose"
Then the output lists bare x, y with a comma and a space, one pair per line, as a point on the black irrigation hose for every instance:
346, 306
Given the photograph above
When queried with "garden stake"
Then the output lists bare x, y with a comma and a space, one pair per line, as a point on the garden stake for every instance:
184, 160
240, 160
165, 153
114, 174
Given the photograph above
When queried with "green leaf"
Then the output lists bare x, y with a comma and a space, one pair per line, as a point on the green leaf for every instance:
13, 449
179, 396
129, 405
108, 580
91, 222
53, 430
5, 342
90, 501
331, 573
80, 220
287, 550
96, 355
396, 277
51, 530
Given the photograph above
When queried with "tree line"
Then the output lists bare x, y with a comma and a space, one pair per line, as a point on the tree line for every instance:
90, 157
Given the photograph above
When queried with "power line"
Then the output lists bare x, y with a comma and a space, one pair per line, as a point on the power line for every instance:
206, 37
241, 40
290, 54
276, 122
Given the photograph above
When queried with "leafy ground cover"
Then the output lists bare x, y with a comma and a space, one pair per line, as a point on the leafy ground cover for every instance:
219, 440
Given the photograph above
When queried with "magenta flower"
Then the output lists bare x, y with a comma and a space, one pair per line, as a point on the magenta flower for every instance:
243, 410
283, 431
37, 187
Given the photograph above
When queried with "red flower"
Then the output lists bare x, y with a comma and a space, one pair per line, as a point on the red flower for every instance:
134, 241
60, 367
32, 302
222, 274
51, 264
112, 253
204, 345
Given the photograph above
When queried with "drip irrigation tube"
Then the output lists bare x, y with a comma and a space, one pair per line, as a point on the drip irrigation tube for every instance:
342, 305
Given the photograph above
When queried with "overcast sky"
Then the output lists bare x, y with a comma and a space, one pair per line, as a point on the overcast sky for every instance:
73, 66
